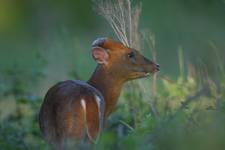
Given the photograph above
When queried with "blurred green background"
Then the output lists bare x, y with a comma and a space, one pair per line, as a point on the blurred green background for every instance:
46, 41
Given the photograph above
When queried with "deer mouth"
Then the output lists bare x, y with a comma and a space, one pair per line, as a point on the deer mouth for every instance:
145, 73
156, 69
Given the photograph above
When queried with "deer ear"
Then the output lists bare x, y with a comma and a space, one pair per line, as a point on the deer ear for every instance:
100, 55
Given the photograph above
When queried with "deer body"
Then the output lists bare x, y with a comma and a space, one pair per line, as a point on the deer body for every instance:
77, 109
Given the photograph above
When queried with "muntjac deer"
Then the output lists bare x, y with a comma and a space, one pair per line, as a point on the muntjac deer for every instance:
76, 109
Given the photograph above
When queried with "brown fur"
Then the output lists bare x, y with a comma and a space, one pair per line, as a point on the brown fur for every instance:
62, 115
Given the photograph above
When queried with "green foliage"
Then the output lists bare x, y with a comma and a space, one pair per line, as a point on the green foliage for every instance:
19, 128
185, 114
19, 108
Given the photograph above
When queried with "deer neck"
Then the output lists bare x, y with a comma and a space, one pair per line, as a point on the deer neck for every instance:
108, 84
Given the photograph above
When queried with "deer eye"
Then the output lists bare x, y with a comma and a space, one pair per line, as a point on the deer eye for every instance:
131, 55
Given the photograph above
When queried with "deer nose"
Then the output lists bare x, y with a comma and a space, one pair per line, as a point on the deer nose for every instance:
157, 67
